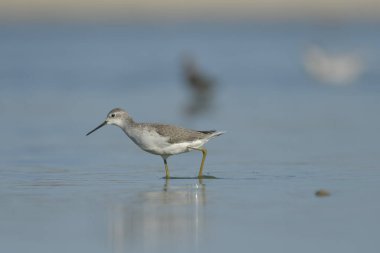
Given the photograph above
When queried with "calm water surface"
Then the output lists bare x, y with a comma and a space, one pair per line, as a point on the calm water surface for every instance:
287, 136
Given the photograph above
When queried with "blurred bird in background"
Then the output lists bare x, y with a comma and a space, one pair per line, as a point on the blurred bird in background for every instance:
200, 85
335, 69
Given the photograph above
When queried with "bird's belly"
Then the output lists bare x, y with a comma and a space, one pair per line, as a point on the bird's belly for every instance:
154, 144
165, 148
159, 145
178, 148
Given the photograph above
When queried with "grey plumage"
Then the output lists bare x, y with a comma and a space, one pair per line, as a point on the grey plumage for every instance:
160, 139
176, 134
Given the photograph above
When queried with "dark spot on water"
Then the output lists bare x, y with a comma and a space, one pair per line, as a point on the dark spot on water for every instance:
322, 193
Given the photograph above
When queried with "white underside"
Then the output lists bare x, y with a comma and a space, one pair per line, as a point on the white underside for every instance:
152, 142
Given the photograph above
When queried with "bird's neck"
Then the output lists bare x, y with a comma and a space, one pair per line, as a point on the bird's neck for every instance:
128, 124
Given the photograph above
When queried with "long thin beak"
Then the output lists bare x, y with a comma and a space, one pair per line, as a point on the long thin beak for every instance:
101, 125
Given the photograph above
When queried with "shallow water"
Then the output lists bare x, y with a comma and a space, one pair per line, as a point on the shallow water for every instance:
287, 137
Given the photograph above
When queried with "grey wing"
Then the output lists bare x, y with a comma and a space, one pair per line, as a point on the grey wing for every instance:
178, 134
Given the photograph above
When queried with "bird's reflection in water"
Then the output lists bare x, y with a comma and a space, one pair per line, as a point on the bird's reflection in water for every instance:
170, 218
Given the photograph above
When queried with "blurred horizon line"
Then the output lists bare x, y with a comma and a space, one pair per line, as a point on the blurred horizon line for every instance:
197, 10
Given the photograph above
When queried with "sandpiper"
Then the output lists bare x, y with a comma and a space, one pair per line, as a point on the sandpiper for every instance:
160, 139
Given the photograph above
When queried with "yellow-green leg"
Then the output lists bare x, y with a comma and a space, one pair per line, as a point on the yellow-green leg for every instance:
204, 152
166, 169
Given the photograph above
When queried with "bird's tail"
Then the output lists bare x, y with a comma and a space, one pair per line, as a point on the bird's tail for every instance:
213, 133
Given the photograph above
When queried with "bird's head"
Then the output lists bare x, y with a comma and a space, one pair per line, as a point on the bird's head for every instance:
116, 116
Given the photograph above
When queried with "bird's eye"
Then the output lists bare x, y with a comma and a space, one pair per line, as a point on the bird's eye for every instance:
113, 115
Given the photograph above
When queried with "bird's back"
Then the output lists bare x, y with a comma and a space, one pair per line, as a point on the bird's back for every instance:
178, 134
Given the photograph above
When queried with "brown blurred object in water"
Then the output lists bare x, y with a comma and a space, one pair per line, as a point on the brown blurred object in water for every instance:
201, 86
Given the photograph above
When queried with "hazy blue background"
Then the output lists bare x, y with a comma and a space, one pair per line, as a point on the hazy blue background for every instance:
288, 135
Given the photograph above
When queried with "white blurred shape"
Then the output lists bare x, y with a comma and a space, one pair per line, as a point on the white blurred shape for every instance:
334, 69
